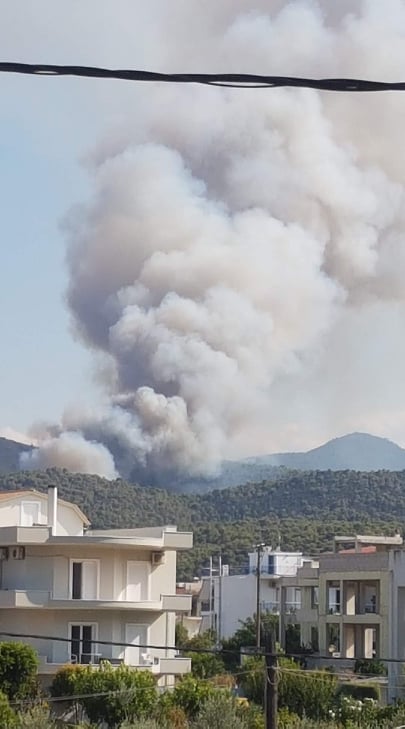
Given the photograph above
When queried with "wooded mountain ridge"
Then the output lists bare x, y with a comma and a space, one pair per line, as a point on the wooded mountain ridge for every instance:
355, 451
305, 509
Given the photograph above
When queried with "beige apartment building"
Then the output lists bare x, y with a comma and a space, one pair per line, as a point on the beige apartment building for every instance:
355, 589
105, 594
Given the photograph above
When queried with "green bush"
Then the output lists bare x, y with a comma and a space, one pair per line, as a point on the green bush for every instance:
370, 667
220, 711
36, 717
305, 693
18, 670
112, 695
66, 680
190, 694
7, 715
359, 691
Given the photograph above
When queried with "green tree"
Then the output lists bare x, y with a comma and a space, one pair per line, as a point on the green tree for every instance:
203, 664
245, 637
18, 670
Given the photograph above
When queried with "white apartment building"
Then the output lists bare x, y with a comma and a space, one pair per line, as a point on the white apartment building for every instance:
107, 594
233, 597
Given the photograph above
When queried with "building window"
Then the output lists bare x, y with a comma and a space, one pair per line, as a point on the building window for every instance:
84, 579
82, 646
315, 638
314, 597
334, 605
270, 567
333, 638
29, 513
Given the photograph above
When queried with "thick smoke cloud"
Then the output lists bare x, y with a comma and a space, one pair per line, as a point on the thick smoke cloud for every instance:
71, 451
231, 232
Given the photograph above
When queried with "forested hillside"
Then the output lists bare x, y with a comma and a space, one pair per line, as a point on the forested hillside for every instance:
307, 509
10, 451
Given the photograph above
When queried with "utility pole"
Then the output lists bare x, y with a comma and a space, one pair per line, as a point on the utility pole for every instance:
211, 600
219, 626
270, 683
259, 552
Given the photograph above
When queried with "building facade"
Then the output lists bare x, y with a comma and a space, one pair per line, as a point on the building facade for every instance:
88, 594
234, 597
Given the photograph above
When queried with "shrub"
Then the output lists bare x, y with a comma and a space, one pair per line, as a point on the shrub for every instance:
18, 670
66, 680
7, 715
370, 667
303, 692
109, 694
190, 694
306, 693
359, 691
220, 711
36, 717
128, 694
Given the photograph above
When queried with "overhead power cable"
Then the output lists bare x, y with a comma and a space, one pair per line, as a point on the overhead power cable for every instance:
185, 649
234, 80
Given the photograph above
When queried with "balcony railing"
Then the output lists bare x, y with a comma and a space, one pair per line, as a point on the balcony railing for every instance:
270, 607
293, 606
334, 608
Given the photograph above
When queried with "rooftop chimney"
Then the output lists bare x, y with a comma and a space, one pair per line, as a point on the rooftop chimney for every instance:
52, 508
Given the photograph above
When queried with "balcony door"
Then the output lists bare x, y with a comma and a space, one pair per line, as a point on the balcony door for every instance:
84, 579
137, 588
82, 646
137, 636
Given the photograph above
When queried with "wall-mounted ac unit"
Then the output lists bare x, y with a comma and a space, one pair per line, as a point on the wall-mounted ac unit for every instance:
18, 552
157, 558
3, 553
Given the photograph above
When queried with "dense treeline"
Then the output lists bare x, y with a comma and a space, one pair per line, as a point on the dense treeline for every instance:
305, 509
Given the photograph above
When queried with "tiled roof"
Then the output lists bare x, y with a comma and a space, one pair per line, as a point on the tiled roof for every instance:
363, 550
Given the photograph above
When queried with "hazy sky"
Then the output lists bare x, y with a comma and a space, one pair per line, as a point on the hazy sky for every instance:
47, 126
48, 131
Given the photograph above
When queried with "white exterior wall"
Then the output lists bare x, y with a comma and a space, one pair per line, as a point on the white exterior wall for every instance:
238, 600
110, 627
48, 568
285, 563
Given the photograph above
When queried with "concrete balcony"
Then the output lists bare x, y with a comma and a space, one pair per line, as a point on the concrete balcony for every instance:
173, 666
24, 598
45, 600
176, 603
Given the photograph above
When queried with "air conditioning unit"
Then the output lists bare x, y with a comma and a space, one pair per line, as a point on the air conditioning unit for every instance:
157, 558
3, 553
18, 552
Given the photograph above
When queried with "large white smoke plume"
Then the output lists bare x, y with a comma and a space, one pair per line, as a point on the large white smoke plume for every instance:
230, 231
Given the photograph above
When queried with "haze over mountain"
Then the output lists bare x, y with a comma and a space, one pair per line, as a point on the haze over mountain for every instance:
10, 452
355, 451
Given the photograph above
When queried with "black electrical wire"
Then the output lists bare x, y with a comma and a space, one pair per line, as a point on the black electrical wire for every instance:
234, 80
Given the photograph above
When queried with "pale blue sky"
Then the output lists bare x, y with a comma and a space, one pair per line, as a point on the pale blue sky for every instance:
46, 127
